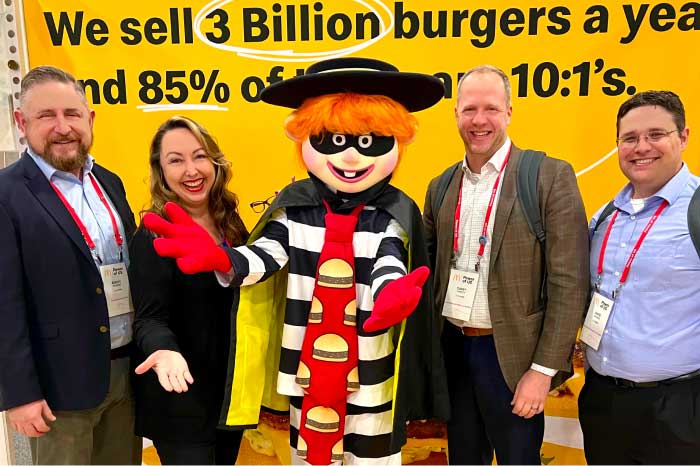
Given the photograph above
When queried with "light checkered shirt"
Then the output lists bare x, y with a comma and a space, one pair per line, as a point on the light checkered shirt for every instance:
476, 192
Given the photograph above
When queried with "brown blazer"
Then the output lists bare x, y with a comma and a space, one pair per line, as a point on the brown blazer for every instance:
525, 328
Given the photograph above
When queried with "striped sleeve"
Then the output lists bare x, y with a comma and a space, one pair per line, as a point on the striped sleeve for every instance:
392, 258
268, 254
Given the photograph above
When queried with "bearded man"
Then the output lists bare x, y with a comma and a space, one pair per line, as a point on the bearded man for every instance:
65, 316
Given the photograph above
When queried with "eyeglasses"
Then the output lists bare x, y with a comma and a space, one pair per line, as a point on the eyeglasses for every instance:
631, 140
260, 206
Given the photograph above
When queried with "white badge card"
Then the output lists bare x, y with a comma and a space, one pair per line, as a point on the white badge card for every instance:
116, 286
596, 320
461, 291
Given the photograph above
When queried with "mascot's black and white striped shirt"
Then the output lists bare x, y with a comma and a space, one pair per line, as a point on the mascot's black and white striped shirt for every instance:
294, 236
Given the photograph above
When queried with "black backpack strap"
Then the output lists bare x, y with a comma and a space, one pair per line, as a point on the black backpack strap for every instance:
528, 171
694, 219
609, 209
443, 183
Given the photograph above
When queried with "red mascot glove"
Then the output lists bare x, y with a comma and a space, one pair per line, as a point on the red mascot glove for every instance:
397, 300
186, 241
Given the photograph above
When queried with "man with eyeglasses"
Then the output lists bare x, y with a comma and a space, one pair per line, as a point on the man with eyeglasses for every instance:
640, 401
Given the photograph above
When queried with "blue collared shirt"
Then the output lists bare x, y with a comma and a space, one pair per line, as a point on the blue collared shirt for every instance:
92, 212
653, 332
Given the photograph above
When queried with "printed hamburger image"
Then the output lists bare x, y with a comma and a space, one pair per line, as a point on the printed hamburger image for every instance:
322, 419
330, 347
316, 313
337, 451
335, 273
353, 384
302, 449
350, 314
303, 378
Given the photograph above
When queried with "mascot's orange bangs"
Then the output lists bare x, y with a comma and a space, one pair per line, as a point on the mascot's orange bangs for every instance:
350, 113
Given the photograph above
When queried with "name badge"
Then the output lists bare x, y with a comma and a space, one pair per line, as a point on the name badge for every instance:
116, 287
461, 291
596, 320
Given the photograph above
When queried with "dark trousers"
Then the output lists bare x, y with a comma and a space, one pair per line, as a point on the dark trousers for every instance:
657, 425
222, 451
481, 419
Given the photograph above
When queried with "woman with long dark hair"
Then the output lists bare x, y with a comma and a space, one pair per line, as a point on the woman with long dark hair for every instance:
183, 322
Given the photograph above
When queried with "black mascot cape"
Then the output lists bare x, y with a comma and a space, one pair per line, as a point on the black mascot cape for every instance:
335, 319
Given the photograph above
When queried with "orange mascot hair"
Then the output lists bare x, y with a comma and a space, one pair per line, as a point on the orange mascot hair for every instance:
350, 113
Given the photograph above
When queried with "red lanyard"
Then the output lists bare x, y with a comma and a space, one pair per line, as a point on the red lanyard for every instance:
633, 254
79, 223
483, 239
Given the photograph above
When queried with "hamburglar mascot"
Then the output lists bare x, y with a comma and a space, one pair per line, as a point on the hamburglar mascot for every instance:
334, 321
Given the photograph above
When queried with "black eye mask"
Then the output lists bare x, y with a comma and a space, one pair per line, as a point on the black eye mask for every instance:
369, 145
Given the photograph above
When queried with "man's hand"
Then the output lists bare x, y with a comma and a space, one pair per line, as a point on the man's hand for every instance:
187, 242
397, 300
30, 419
530, 394
171, 369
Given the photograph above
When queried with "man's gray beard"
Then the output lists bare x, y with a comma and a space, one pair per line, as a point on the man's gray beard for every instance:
64, 164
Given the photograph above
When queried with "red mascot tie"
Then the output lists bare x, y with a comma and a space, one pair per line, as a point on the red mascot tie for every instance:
328, 366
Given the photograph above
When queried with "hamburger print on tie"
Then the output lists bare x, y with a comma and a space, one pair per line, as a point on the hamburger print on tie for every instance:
327, 370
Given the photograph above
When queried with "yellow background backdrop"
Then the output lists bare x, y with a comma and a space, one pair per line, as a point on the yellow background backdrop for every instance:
578, 129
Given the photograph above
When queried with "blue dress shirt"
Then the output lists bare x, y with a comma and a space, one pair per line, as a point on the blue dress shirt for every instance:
81, 195
653, 332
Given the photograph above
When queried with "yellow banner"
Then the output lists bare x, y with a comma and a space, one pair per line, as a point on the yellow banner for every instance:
571, 64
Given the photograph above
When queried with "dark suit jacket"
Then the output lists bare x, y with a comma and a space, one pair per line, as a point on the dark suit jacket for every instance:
54, 338
526, 329
191, 314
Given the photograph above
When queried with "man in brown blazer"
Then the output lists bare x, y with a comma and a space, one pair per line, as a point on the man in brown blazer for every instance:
512, 312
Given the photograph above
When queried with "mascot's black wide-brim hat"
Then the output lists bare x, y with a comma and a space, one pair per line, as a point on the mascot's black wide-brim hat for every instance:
415, 91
